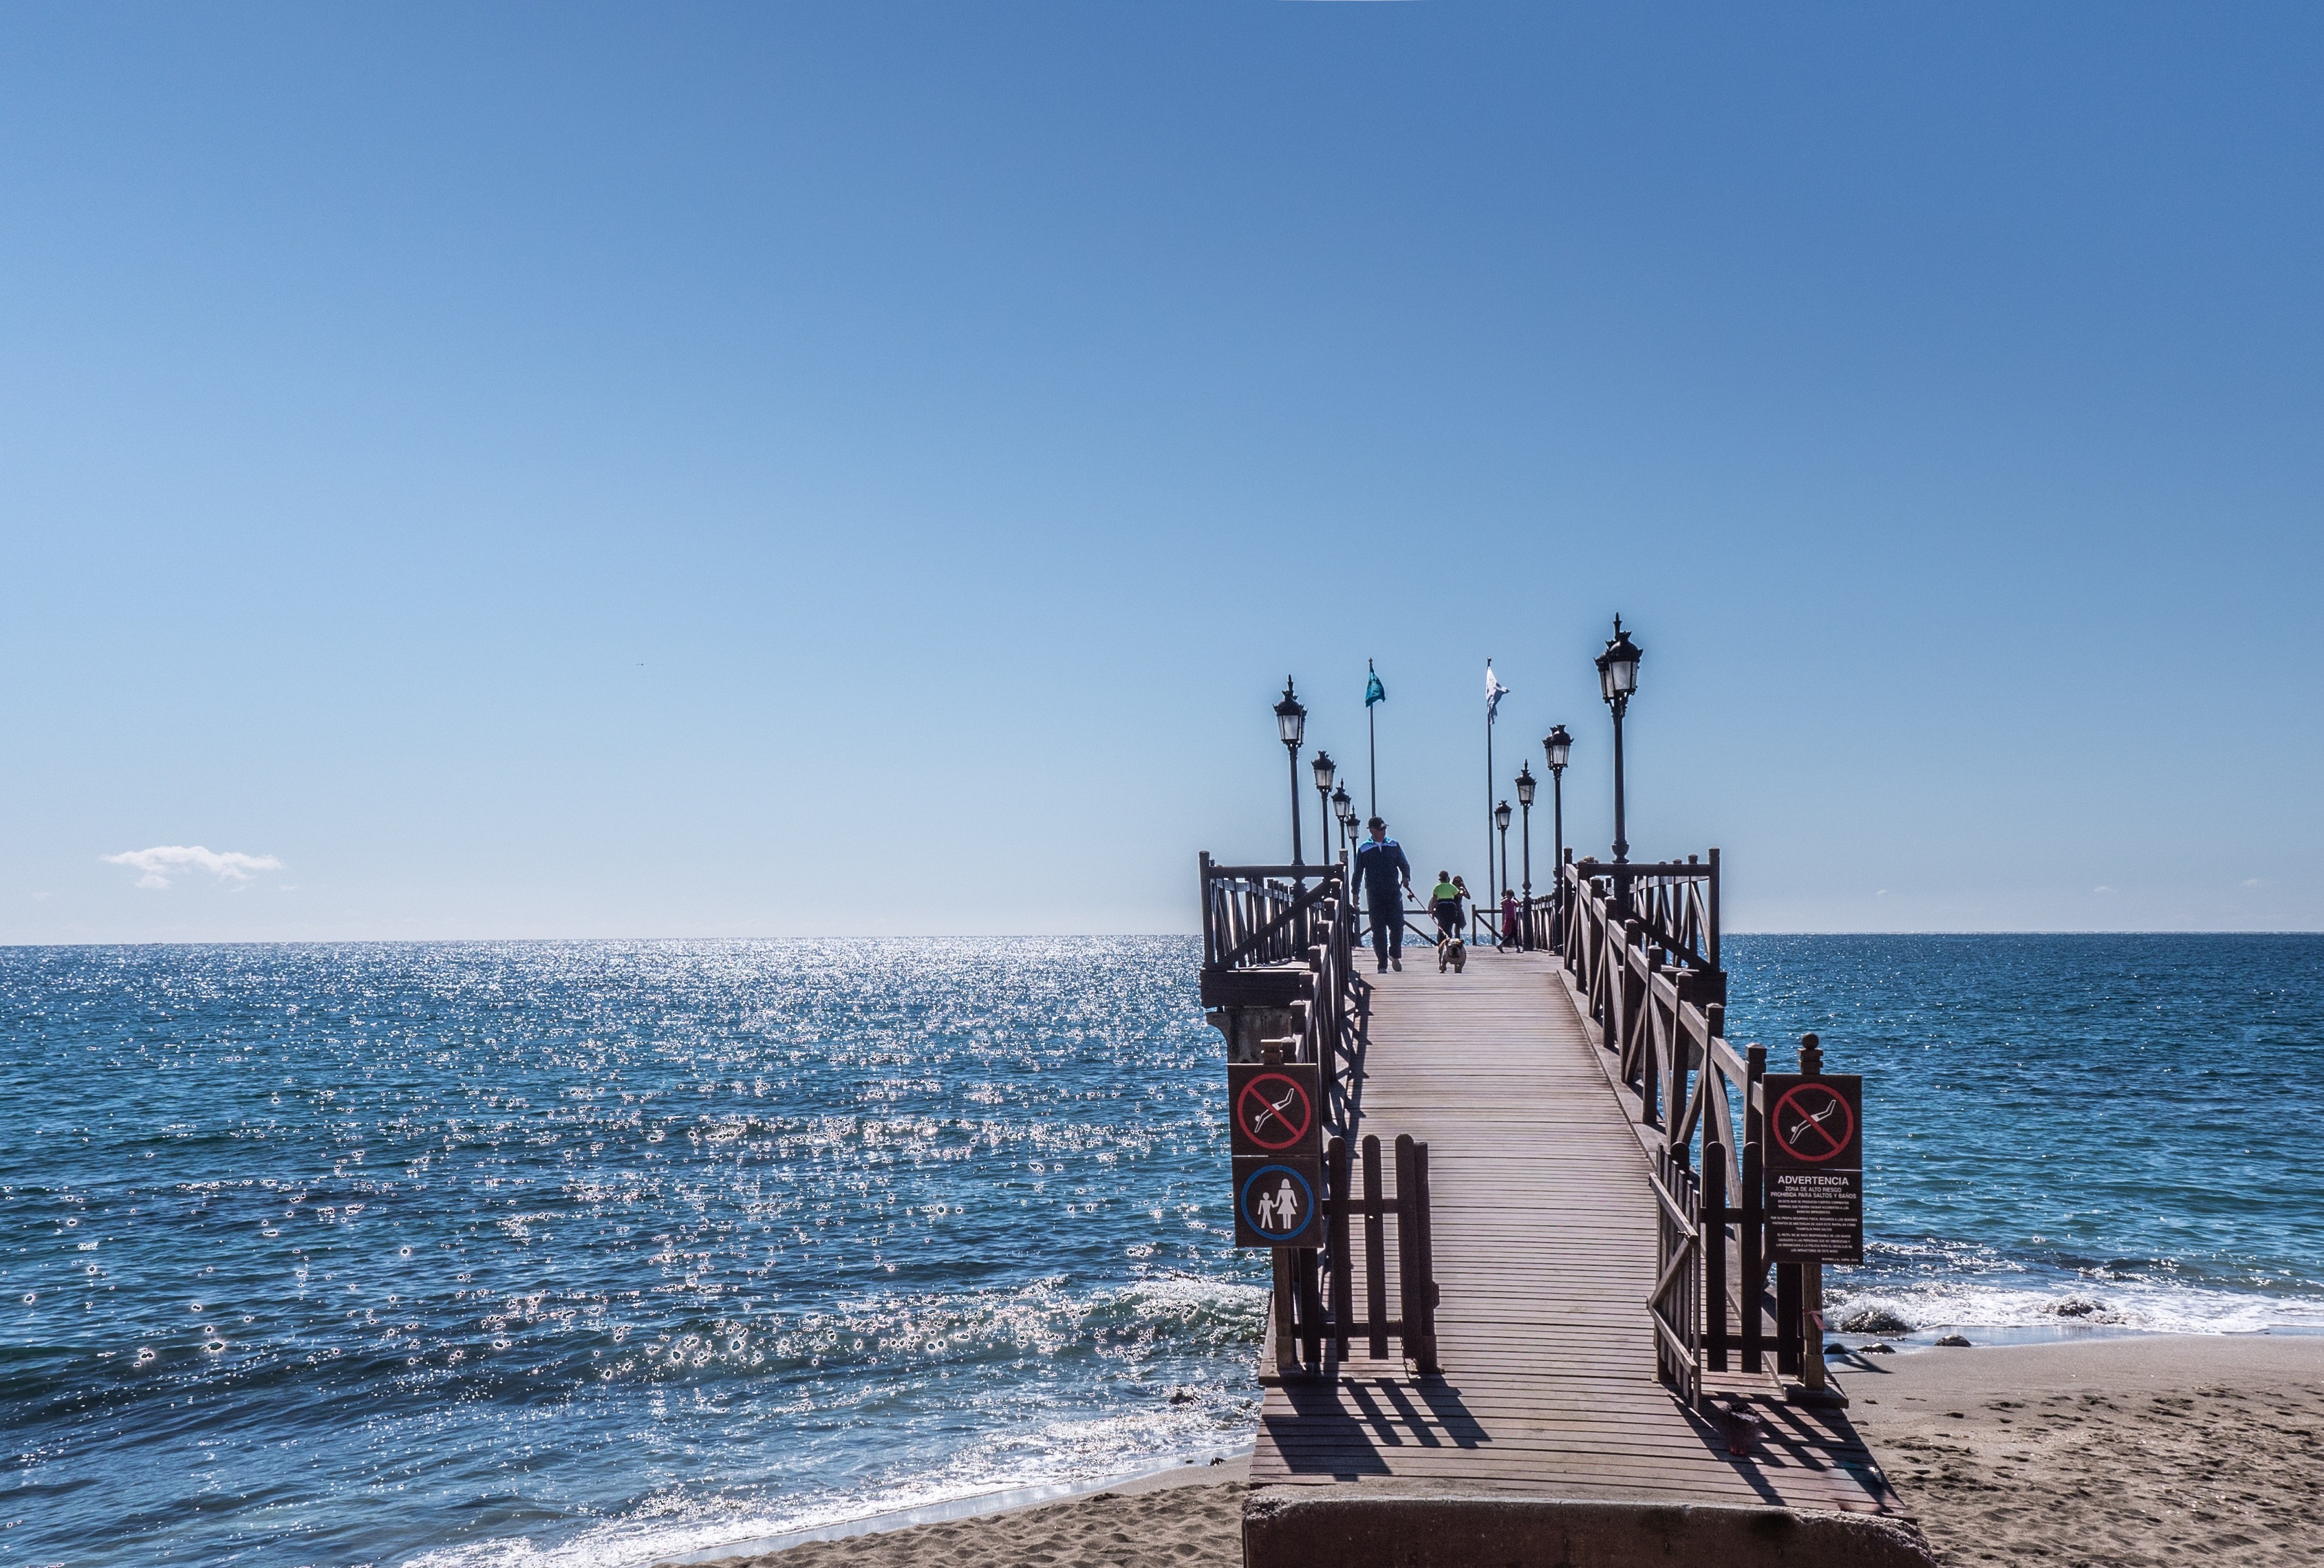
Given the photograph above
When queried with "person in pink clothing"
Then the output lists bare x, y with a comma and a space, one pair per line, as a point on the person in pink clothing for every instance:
1509, 917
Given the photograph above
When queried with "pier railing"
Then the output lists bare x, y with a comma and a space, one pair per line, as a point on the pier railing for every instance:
1277, 945
1640, 944
1279, 972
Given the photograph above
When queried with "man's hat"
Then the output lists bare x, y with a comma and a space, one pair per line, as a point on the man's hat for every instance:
1377, 822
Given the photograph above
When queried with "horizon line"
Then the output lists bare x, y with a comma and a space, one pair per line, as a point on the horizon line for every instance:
1026, 936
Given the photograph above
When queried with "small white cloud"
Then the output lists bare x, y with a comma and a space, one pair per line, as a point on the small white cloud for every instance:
2102, 888
2259, 881
164, 861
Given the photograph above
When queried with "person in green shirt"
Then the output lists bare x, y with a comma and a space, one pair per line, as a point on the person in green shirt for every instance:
1444, 902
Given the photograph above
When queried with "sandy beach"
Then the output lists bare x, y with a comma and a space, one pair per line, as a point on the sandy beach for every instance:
2099, 1453
1191, 1516
2106, 1452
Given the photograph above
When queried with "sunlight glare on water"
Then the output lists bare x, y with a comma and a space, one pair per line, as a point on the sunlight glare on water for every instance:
351, 1254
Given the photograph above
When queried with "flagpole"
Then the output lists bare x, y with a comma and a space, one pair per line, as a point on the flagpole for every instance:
1489, 776
1371, 724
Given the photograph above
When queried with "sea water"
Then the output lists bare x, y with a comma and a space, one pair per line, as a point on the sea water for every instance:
2101, 1130
596, 1253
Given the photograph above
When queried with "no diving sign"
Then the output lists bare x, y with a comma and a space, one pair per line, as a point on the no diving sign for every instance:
1814, 1170
1276, 1110
1815, 1122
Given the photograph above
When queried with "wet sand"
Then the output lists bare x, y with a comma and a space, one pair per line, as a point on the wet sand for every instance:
2097, 1453
1190, 1517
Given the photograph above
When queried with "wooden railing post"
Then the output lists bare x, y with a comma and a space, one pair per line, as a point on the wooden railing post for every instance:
1411, 1255
1754, 1227
1714, 1250
1287, 1326
1374, 1251
1342, 1280
1711, 945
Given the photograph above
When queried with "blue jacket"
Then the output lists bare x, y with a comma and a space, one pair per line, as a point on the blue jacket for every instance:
1381, 868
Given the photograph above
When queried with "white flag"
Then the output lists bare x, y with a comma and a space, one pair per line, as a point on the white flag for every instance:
1494, 692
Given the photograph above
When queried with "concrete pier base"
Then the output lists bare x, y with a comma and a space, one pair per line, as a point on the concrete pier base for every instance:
1374, 1526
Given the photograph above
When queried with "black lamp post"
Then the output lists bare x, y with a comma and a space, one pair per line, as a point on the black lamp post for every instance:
1502, 815
1344, 807
1618, 679
1291, 723
1525, 806
1323, 769
1557, 745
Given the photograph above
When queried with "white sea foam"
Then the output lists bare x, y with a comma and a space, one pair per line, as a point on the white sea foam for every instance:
1932, 1305
1011, 1465
684, 1525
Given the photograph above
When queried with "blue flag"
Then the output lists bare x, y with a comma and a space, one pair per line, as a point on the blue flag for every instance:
1374, 691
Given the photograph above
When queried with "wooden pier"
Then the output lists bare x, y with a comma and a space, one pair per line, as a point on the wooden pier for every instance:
1561, 1391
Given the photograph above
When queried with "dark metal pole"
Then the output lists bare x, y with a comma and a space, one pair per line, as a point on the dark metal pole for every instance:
1324, 808
1293, 752
1371, 731
1621, 842
1505, 864
1525, 834
1557, 856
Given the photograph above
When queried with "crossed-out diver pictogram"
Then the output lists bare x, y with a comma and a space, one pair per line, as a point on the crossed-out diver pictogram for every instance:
1271, 1120
1795, 1122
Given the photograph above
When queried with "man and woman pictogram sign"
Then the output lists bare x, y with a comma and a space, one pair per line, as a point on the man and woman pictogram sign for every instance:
1276, 1113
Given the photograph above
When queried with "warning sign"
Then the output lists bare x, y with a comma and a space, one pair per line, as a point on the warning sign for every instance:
1274, 1110
1814, 1169
1279, 1203
1815, 1216
1814, 1121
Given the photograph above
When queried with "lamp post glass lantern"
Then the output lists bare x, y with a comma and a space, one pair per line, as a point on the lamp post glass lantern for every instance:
1291, 725
1525, 787
1618, 679
1502, 815
1323, 769
1344, 807
1556, 747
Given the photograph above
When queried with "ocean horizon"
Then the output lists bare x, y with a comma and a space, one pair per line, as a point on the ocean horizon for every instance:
593, 1252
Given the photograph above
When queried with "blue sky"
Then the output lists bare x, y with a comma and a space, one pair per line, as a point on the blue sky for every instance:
739, 470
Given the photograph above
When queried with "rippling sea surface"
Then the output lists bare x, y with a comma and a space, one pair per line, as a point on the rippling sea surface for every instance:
591, 1253
2095, 1130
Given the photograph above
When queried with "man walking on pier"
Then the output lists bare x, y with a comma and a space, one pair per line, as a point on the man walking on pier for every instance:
1383, 876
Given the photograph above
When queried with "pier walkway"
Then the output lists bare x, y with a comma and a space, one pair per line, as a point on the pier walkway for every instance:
1571, 1331
1543, 1223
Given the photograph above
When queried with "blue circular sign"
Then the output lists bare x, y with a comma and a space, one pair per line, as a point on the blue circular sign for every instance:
1277, 1202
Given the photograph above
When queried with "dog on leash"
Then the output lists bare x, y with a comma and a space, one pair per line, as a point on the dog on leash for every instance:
1452, 952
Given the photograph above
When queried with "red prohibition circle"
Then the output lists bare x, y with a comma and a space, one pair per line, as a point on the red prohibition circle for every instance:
1286, 1111
1812, 1124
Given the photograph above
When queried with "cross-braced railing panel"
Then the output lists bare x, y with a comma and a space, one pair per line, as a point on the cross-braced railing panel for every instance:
1640, 943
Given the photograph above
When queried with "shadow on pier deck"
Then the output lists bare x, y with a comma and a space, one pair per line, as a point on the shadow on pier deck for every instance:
1548, 1437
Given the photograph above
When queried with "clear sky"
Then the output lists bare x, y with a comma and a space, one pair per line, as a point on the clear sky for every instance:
745, 470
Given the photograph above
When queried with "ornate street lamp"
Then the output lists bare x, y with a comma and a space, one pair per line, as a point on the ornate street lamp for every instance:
1291, 723
1525, 804
1344, 807
1557, 745
1323, 769
1502, 815
1618, 679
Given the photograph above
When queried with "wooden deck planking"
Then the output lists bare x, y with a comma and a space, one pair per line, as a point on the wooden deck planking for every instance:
1544, 1224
